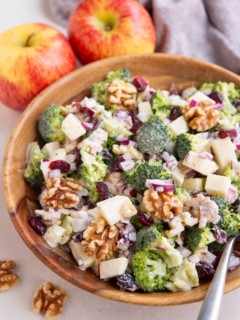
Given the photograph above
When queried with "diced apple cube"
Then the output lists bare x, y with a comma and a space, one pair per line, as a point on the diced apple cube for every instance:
203, 166
59, 154
193, 184
84, 260
94, 213
116, 208
113, 268
144, 111
224, 151
178, 177
217, 185
72, 127
200, 96
54, 235
178, 126
51, 147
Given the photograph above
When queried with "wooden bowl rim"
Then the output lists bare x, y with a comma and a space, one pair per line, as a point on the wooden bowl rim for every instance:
152, 299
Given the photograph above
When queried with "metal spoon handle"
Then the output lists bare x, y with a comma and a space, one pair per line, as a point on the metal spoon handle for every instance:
211, 304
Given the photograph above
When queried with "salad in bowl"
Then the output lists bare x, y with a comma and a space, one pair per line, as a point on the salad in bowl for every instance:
138, 183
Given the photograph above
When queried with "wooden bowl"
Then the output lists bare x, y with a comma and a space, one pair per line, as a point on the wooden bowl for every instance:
161, 70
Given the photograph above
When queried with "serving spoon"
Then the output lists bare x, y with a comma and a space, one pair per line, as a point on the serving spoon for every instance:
211, 304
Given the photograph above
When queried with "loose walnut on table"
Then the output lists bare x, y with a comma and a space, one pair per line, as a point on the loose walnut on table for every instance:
101, 239
164, 205
8, 279
49, 299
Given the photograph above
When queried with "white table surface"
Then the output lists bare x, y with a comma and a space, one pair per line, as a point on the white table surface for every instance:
16, 303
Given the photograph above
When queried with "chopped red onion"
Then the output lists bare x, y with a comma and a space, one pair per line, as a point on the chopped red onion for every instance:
189, 173
232, 194
205, 155
218, 106
128, 191
87, 126
127, 165
193, 103
54, 174
160, 185
236, 141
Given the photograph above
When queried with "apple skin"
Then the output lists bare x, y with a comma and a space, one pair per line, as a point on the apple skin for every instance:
32, 56
105, 28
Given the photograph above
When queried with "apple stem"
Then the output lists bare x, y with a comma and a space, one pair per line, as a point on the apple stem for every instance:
108, 28
28, 42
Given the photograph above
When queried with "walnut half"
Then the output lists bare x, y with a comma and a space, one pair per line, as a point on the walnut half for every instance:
121, 94
49, 299
202, 117
8, 279
164, 205
101, 239
61, 193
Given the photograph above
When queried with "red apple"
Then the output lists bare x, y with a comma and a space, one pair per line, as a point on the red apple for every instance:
104, 28
32, 56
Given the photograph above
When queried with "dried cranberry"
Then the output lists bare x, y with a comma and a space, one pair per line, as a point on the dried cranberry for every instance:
216, 96
205, 271
126, 282
78, 237
38, 226
115, 166
136, 124
103, 190
145, 218
62, 165
87, 202
78, 159
235, 205
222, 134
140, 83
175, 113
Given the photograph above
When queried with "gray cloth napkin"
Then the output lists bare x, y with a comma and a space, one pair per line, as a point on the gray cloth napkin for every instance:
203, 29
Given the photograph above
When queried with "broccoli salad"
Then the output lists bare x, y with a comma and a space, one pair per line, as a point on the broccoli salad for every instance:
140, 184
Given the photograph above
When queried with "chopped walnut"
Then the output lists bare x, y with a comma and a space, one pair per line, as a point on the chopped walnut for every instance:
162, 204
8, 279
202, 117
204, 209
122, 149
49, 299
61, 193
69, 109
101, 239
121, 94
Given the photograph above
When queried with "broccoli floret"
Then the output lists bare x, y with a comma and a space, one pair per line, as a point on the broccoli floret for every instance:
93, 169
228, 172
137, 177
145, 237
122, 73
186, 142
236, 183
33, 173
198, 238
230, 221
183, 278
215, 246
50, 124
161, 106
150, 272
67, 225
182, 194
99, 89
229, 93
149, 238
115, 128
153, 136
